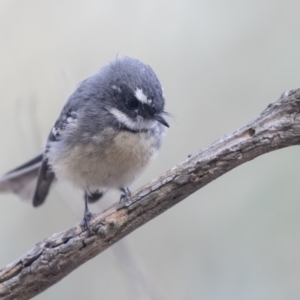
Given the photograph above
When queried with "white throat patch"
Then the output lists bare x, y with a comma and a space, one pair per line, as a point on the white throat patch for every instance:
139, 124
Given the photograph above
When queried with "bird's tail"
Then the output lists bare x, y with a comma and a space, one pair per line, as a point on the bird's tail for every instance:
22, 180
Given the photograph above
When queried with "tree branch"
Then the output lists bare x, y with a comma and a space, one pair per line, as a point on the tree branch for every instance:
278, 126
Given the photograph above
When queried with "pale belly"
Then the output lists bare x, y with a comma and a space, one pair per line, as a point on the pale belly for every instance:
112, 165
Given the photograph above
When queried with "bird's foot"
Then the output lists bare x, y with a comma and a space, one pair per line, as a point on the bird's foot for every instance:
125, 196
85, 223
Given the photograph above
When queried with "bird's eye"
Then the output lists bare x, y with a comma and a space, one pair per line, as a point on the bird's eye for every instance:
132, 103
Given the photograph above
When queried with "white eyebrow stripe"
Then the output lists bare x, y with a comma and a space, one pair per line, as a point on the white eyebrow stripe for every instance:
140, 124
139, 94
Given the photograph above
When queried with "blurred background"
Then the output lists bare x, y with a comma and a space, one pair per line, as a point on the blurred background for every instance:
220, 63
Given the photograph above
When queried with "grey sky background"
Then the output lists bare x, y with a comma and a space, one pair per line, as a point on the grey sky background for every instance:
220, 63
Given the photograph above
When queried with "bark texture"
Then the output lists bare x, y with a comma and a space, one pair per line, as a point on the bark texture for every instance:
278, 126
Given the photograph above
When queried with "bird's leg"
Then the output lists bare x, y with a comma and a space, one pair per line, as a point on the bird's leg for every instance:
125, 194
87, 214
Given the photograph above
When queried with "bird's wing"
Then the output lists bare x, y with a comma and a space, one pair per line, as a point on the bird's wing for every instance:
45, 178
46, 174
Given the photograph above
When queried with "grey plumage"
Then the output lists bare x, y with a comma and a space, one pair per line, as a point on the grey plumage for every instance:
107, 133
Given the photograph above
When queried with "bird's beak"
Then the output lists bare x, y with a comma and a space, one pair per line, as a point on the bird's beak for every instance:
161, 120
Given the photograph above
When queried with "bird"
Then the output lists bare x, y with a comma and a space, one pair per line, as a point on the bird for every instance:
107, 133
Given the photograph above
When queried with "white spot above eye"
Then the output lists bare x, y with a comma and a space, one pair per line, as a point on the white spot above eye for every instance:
139, 94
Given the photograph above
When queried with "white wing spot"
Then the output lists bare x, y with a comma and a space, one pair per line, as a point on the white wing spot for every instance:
54, 131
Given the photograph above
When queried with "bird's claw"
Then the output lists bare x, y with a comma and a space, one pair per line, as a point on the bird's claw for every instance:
86, 221
125, 196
